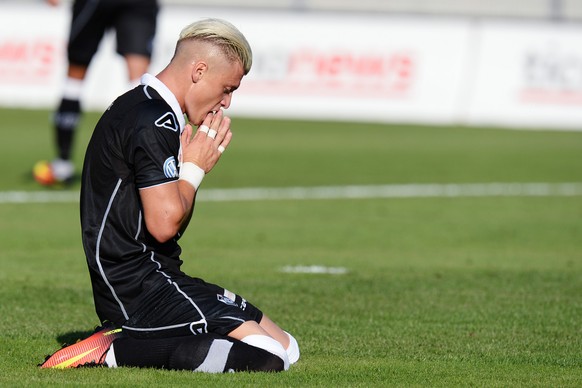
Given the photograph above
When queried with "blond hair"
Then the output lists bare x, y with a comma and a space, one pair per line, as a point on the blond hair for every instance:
223, 35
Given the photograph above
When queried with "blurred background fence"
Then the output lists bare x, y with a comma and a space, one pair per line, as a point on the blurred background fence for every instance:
563, 10
497, 63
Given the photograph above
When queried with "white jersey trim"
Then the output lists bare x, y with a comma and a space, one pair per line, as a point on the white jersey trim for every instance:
98, 249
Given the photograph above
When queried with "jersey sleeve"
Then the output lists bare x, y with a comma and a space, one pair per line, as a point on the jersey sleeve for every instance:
156, 145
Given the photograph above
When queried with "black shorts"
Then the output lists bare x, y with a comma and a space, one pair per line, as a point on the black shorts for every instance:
182, 305
134, 22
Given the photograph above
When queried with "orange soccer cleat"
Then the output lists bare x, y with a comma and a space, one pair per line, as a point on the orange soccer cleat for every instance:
88, 352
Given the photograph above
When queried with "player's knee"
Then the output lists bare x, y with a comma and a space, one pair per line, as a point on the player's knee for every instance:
292, 349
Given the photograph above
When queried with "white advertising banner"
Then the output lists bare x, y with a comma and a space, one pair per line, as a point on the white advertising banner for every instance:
528, 75
337, 67
354, 68
340, 67
32, 56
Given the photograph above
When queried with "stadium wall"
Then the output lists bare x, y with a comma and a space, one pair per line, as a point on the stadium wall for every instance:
358, 67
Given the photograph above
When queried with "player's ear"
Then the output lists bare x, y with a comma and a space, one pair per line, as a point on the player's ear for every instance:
198, 70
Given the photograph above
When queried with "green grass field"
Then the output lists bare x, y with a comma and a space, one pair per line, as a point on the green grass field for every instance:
468, 291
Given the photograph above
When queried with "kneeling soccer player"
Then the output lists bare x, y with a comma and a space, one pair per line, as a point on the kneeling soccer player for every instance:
143, 168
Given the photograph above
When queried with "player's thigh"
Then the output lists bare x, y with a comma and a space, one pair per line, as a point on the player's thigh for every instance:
223, 310
185, 306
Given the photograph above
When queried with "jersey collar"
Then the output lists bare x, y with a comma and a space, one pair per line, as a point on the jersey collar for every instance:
149, 80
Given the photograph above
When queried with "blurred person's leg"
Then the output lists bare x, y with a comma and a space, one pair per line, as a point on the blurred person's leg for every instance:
88, 25
66, 120
135, 26
137, 65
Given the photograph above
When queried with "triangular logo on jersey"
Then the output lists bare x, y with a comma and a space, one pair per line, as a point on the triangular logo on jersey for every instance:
168, 121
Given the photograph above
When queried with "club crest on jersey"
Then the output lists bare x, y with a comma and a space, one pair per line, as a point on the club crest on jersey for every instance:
168, 121
170, 170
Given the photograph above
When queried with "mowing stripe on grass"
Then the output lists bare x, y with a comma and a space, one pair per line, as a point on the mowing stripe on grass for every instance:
435, 190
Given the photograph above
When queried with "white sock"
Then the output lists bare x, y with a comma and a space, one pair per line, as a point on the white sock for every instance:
269, 344
110, 360
72, 89
292, 349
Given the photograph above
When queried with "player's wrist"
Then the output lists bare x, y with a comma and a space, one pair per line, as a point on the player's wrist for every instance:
192, 174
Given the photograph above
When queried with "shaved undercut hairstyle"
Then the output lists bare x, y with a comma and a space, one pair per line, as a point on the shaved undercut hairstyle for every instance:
221, 34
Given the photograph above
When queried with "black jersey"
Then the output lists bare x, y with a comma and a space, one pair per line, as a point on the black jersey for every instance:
136, 144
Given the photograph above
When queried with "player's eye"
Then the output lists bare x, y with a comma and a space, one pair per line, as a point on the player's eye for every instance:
229, 90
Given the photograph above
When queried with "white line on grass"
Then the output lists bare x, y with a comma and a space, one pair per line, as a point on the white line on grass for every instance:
430, 190
314, 269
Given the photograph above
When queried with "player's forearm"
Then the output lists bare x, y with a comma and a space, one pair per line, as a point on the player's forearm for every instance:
188, 197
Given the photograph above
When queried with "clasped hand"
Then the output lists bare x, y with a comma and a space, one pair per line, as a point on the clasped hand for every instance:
205, 147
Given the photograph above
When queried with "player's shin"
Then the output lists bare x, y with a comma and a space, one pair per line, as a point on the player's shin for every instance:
270, 345
203, 353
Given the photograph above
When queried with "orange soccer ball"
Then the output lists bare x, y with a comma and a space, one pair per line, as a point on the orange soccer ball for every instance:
43, 173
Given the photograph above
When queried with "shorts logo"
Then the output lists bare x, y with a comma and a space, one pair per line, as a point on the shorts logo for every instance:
226, 300
170, 170
168, 121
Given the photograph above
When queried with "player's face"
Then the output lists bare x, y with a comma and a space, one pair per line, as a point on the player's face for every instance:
214, 90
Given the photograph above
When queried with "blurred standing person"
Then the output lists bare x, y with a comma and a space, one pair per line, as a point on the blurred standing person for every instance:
134, 22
